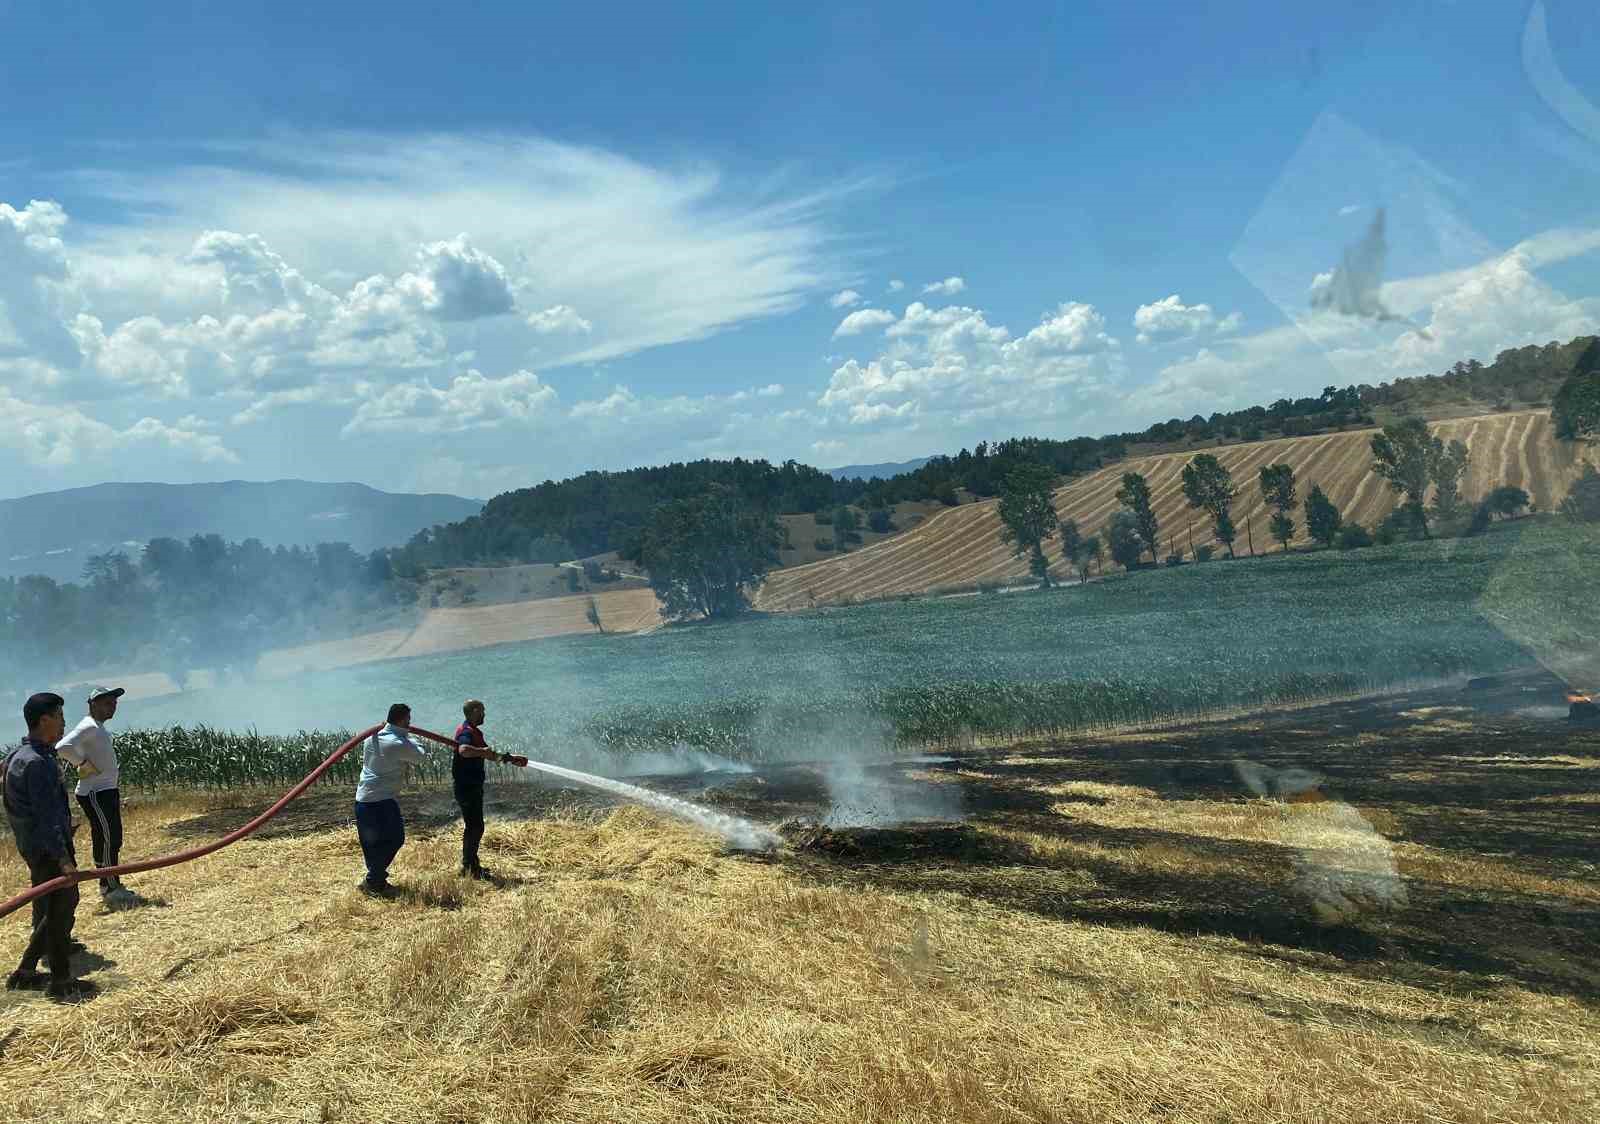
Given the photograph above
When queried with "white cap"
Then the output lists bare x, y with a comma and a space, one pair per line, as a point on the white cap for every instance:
105, 692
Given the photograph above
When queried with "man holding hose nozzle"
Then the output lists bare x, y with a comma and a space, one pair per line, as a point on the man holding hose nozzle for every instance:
466, 772
36, 805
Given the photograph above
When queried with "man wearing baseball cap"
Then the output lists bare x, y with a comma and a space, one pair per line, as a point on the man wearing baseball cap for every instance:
88, 746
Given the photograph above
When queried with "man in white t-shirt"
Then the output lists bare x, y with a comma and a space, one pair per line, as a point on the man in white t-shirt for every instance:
88, 746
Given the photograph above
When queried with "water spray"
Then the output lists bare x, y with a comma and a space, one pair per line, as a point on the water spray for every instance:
742, 834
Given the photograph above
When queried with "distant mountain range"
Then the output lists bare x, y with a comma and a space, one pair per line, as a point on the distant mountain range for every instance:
52, 533
882, 471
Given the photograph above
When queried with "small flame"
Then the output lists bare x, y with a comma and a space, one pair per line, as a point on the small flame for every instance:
1575, 697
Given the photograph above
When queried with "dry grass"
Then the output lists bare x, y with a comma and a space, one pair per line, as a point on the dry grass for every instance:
631, 970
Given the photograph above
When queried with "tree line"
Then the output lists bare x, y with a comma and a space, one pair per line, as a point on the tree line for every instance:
197, 603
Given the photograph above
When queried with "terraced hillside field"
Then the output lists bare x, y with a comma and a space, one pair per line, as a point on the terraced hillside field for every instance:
962, 545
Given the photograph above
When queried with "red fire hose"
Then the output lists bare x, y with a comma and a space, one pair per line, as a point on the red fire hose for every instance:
233, 836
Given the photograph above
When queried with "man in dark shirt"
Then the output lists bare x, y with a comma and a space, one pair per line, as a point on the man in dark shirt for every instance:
35, 802
466, 771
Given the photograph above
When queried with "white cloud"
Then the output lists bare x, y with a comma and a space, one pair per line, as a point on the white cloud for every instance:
1072, 328
471, 401
36, 297
339, 285
621, 402
1170, 320
864, 413
558, 318
949, 287
844, 298
950, 367
59, 437
253, 276
652, 255
861, 320
457, 282
896, 285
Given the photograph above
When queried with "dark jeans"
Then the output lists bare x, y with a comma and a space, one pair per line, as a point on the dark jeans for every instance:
103, 810
469, 797
382, 833
52, 921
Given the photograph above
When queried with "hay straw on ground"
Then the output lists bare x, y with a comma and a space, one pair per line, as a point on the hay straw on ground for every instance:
631, 971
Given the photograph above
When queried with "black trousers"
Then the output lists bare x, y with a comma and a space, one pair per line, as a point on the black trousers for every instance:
103, 810
382, 832
53, 915
469, 798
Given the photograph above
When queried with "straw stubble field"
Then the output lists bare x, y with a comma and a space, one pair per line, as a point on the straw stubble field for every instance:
1110, 935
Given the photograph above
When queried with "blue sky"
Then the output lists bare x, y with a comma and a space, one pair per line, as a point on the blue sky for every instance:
466, 250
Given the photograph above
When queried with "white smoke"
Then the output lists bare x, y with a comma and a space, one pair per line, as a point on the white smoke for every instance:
680, 761
866, 782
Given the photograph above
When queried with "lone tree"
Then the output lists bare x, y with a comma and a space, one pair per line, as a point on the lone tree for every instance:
1507, 501
1209, 487
1278, 492
1583, 501
1448, 463
1576, 406
1135, 496
846, 525
1029, 516
704, 552
1410, 459
1122, 535
1089, 552
1323, 520
1072, 543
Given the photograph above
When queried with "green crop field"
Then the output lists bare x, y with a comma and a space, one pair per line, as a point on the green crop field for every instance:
1156, 645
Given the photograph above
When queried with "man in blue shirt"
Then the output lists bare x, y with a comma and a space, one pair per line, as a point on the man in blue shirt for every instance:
379, 825
35, 802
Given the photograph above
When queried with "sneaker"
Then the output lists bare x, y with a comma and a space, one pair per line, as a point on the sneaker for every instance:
481, 875
377, 890
27, 979
76, 948
71, 991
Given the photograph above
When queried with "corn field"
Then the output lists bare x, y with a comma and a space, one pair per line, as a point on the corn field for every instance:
205, 757
1156, 646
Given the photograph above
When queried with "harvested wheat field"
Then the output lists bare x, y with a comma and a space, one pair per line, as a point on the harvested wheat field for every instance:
1116, 931
448, 630
962, 545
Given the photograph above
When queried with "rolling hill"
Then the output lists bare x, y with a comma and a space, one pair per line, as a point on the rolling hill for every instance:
882, 471
962, 545
51, 533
